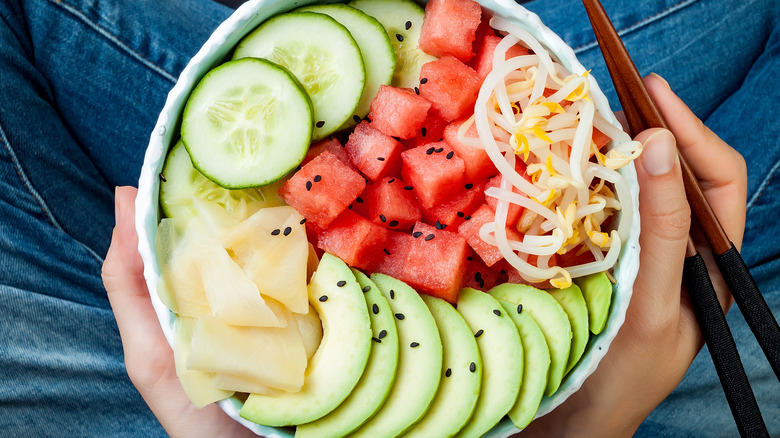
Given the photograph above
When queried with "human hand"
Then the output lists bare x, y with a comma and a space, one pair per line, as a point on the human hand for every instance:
148, 357
660, 336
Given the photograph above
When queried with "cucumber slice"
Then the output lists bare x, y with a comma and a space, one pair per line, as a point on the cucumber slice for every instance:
247, 124
402, 20
375, 47
183, 184
324, 57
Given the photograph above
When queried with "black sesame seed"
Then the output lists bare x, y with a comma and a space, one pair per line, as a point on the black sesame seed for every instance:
377, 340
423, 131
417, 234
356, 118
382, 218
416, 91
472, 367
349, 206
430, 151
408, 25
392, 294
429, 237
479, 333
359, 200
440, 226
287, 231
467, 217
399, 37
393, 223
439, 150
450, 154
366, 289
400, 316
341, 283
375, 309
391, 180
276, 232
469, 258
387, 251
382, 334
324, 298
317, 178
423, 80
502, 272
408, 188
448, 372
321, 123
414, 344
162, 177
519, 308
461, 214
477, 276
308, 185
469, 185
303, 221
481, 283
496, 312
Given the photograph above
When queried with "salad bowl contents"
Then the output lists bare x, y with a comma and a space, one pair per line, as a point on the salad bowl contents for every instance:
386, 218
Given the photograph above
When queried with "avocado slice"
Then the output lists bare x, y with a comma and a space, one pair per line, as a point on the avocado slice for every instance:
536, 364
374, 386
419, 362
460, 386
573, 304
502, 359
339, 361
552, 319
597, 290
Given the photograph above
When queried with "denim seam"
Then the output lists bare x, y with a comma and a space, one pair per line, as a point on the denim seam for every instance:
640, 24
37, 196
114, 39
763, 186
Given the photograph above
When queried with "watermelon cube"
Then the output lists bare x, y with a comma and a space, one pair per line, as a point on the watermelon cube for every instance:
322, 189
434, 171
514, 210
392, 204
354, 239
436, 262
391, 260
600, 138
332, 145
479, 276
470, 231
375, 154
478, 163
483, 60
449, 28
432, 130
398, 112
451, 213
450, 85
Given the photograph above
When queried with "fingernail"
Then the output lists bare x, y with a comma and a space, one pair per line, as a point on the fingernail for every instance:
660, 153
656, 75
117, 206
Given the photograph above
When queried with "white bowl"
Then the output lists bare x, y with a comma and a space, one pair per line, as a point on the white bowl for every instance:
213, 52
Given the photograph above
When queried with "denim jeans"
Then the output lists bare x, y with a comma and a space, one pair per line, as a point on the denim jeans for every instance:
82, 82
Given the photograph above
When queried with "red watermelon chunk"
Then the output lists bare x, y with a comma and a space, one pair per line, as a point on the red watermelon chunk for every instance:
436, 262
478, 163
451, 213
432, 130
450, 85
434, 171
470, 231
449, 28
354, 239
322, 189
600, 138
514, 210
332, 145
375, 154
479, 276
398, 112
483, 61
392, 204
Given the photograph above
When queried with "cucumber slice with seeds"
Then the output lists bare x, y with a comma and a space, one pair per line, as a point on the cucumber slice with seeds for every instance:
324, 57
402, 20
375, 47
247, 124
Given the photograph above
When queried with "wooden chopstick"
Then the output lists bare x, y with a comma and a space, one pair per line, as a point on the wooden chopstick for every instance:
642, 113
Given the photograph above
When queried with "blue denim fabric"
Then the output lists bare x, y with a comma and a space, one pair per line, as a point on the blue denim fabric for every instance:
82, 82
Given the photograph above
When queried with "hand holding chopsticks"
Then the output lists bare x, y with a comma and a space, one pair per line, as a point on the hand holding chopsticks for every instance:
641, 114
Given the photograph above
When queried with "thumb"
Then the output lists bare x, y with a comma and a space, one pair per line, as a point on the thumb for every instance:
665, 223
